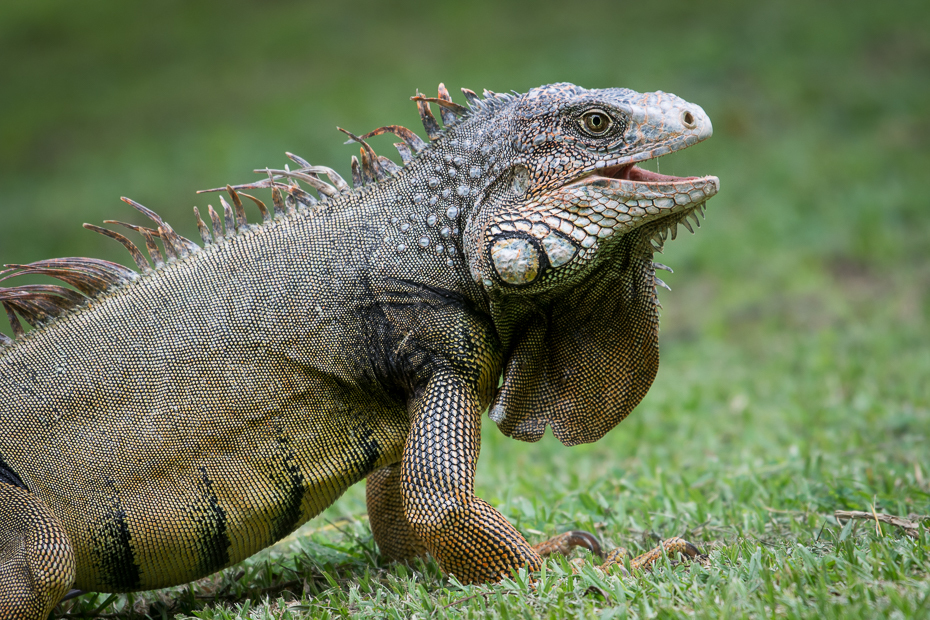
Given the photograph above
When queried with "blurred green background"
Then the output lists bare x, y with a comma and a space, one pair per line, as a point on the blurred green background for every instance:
799, 316
796, 341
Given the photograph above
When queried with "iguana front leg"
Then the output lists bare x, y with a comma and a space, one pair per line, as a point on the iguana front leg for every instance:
397, 540
465, 534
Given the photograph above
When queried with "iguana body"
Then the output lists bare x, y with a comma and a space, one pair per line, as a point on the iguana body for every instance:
162, 426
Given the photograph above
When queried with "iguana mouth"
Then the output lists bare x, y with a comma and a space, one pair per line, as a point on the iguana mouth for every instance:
632, 172
633, 185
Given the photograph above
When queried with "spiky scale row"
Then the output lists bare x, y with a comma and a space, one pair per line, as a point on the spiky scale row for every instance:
298, 195
371, 168
38, 304
448, 109
174, 243
324, 188
90, 276
149, 235
412, 142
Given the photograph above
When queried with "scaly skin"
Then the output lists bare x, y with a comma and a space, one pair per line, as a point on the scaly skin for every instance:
157, 427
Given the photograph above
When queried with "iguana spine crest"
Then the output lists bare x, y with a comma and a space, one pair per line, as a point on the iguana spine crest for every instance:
39, 305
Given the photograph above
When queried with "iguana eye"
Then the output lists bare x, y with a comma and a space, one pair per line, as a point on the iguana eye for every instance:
596, 122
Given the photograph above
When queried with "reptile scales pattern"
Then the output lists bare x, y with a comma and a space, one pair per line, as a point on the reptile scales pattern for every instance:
159, 425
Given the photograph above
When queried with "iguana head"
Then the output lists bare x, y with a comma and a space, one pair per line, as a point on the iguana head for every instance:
561, 239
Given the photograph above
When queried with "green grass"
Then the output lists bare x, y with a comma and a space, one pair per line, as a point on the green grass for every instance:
796, 341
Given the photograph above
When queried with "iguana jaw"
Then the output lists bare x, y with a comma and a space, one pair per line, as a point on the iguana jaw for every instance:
627, 197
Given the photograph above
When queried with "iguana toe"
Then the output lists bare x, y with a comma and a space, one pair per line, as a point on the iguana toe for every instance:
565, 542
645, 560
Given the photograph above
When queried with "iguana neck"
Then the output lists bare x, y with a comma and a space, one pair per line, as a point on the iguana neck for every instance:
433, 201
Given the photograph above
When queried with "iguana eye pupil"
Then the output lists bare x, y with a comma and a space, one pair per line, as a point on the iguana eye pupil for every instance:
596, 122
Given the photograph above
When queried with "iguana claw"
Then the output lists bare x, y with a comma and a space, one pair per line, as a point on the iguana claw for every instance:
565, 542
644, 560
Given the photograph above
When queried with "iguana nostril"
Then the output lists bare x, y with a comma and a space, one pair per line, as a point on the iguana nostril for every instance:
688, 119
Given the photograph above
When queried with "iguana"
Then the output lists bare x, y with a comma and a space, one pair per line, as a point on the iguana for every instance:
157, 426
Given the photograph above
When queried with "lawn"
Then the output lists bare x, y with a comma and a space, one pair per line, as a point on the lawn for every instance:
795, 377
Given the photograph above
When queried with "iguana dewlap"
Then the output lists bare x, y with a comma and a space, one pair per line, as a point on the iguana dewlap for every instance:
157, 426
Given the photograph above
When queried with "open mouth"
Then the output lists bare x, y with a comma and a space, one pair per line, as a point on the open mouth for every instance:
632, 172
633, 185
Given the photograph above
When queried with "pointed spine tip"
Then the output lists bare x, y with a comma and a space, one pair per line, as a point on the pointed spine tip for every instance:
137, 256
241, 221
427, 118
202, 228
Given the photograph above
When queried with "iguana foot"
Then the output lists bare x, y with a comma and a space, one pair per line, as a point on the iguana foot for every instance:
645, 560
565, 542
